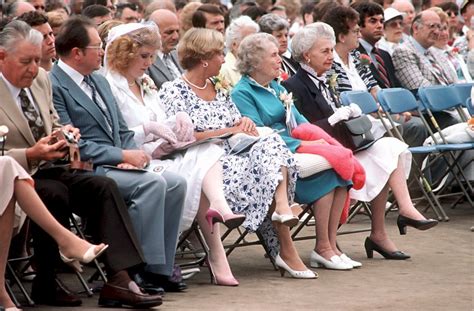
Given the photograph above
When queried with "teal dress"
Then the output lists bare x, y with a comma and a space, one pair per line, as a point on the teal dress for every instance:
264, 107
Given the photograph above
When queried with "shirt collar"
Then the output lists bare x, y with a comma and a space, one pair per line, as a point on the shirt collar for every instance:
75, 75
418, 46
366, 45
14, 91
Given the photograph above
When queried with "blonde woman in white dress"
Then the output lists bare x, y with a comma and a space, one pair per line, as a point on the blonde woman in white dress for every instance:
130, 51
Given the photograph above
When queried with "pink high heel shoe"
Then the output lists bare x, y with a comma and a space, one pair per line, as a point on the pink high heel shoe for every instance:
87, 257
230, 220
228, 281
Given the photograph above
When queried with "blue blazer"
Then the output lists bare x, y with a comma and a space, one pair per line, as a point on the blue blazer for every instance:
75, 107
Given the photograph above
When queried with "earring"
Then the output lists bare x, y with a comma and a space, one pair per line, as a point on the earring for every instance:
308, 60
205, 64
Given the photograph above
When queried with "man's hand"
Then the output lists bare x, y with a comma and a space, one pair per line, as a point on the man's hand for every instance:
137, 158
43, 150
73, 130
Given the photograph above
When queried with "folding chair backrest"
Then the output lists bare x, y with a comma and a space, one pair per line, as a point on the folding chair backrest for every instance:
438, 97
361, 98
463, 91
470, 106
397, 100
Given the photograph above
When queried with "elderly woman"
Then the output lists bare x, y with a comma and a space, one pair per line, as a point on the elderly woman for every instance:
257, 180
235, 33
17, 186
386, 162
393, 30
261, 98
279, 27
443, 52
130, 51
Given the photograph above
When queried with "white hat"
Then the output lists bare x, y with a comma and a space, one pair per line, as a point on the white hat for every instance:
391, 13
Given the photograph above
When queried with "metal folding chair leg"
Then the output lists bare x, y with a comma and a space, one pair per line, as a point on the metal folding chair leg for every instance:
12, 274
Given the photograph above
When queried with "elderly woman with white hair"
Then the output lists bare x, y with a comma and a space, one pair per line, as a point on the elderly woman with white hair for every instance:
386, 162
261, 98
279, 27
235, 33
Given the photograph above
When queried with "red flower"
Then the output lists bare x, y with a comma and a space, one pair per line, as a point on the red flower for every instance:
455, 50
283, 76
365, 59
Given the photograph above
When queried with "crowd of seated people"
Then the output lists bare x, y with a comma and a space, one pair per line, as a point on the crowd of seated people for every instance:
141, 89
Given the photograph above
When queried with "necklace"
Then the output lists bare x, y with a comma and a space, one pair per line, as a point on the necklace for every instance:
192, 84
132, 84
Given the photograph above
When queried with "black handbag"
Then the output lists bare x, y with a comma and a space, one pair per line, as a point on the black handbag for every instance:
359, 129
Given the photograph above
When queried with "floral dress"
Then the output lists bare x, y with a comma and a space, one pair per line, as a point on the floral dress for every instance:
251, 177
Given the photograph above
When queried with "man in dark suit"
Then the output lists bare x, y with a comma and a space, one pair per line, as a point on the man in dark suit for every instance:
27, 109
166, 66
85, 100
371, 28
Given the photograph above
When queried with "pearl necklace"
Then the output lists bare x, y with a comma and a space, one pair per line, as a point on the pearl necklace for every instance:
192, 84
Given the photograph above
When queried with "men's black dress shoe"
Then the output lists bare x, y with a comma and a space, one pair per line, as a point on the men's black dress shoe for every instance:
53, 294
403, 222
117, 296
147, 287
371, 246
164, 281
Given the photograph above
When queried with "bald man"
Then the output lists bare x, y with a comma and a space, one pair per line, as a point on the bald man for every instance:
166, 66
405, 6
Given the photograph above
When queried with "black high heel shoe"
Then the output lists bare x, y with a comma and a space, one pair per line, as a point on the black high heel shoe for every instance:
403, 222
371, 246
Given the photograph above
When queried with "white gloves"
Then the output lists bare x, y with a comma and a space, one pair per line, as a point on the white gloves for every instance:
342, 113
356, 111
184, 127
160, 130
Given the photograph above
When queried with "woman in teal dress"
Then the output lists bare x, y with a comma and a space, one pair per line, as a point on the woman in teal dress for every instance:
262, 99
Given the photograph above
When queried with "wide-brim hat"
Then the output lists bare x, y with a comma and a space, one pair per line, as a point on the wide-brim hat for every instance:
391, 13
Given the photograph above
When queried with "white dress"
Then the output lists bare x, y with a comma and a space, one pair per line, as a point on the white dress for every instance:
193, 165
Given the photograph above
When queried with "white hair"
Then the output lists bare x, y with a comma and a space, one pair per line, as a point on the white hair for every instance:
251, 50
306, 37
233, 32
16, 31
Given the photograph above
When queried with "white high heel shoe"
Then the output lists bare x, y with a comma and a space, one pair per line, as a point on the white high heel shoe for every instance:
87, 257
287, 219
283, 267
13, 309
348, 260
335, 263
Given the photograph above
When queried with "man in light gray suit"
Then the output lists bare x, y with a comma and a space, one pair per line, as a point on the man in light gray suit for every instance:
166, 66
85, 100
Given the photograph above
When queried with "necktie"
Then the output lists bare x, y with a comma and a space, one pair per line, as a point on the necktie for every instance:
170, 65
382, 70
98, 101
34, 120
437, 70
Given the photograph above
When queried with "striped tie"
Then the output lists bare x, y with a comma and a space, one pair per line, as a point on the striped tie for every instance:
437, 70
382, 70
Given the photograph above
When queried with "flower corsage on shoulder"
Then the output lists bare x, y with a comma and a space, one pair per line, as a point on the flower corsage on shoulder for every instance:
221, 84
288, 101
148, 85
365, 60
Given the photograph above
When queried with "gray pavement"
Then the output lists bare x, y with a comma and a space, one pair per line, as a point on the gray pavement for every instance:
439, 276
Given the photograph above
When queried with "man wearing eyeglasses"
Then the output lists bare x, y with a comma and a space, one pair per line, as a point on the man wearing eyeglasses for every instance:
415, 63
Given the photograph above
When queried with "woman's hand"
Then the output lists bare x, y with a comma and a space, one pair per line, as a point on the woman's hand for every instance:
160, 130
184, 127
247, 126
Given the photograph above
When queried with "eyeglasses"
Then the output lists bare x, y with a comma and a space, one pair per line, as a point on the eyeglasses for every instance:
95, 47
433, 26
355, 30
394, 24
37, 7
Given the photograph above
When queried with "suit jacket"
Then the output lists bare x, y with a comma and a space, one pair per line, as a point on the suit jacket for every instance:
74, 107
20, 136
312, 105
388, 66
413, 69
160, 73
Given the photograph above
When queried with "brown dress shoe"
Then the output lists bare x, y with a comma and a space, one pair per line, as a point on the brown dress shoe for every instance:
53, 294
117, 296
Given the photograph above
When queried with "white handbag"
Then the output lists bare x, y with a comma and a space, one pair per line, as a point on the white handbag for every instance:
309, 164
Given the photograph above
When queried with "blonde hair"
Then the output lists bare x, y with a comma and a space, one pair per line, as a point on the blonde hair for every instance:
199, 44
124, 49
186, 17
